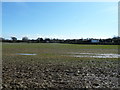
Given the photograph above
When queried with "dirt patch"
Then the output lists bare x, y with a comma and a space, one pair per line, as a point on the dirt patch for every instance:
59, 76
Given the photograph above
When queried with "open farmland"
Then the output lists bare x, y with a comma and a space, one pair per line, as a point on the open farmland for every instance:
55, 65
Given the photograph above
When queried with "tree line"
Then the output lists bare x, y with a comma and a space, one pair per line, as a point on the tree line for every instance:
108, 41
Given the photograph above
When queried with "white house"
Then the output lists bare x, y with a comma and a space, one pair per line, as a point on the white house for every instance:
94, 40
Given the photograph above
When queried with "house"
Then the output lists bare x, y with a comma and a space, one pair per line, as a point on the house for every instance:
94, 40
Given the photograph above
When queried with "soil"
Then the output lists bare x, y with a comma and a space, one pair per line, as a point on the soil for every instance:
60, 75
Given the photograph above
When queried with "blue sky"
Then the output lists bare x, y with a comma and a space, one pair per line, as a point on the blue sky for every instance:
63, 20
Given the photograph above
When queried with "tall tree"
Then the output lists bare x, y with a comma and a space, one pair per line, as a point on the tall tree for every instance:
25, 39
39, 40
14, 39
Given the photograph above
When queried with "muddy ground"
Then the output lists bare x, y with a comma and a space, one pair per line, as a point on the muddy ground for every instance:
52, 66
61, 75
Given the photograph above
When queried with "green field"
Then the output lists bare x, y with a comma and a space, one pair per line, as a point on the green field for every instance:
54, 66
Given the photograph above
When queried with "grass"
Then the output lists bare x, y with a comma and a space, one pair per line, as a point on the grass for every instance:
56, 45
51, 60
48, 51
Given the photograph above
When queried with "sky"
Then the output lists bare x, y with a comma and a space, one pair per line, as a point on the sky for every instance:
62, 20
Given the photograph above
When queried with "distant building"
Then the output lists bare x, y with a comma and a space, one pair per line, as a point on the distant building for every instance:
94, 40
